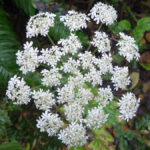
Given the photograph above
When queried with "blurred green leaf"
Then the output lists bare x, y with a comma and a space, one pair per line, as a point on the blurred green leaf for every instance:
59, 31
9, 44
77, 148
26, 6
11, 146
135, 76
146, 66
120, 26
83, 37
103, 140
111, 109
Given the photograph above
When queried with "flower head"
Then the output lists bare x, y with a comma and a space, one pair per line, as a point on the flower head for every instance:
101, 42
40, 24
51, 78
103, 13
70, 45
43, 99
50, 123
128, 48
28, 58
96, 118
128, 105
74, 20
73, 135
120, 77
18, 91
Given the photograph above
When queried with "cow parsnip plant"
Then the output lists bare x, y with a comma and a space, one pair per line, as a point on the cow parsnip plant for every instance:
73, 97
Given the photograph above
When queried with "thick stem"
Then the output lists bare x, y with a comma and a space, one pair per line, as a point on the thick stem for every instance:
50, 39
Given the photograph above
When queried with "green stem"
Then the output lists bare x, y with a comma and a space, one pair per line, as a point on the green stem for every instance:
100, 26
50, 39
94, 51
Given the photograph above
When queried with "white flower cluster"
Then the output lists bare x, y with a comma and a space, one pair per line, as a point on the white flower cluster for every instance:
51, 78
128, 106
128, 48
73, 135
50, 123
18, 91
50, 56
120, 77
40, 24
73, 82
74, 20
104, 96
96, 117
71, 44
103, 13
101, 42
28, 59
43, 100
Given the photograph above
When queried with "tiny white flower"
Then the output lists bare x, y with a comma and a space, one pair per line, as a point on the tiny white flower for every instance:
74, 20
40, 24
51, 78
28, 58
18, 91
104, 63
128, 48
74, 111
120, 77
103, 13
104, 96
66, 94
101, 42
96, 118
50, 123
43, 99
50, 56
73, 135
94, 76
70, 45
128, 105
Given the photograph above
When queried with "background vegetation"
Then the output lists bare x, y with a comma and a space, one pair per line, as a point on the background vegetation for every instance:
17, 124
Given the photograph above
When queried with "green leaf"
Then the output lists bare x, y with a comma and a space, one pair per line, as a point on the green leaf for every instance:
26, 6
143, 25
135, 76
59, 31
9, 44
111, 109
11, 146
77, 148
117, 59
103, 140
83, 37
146, 66
120, 26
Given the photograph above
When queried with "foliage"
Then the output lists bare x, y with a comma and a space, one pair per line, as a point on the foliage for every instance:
18, 129
9, 44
